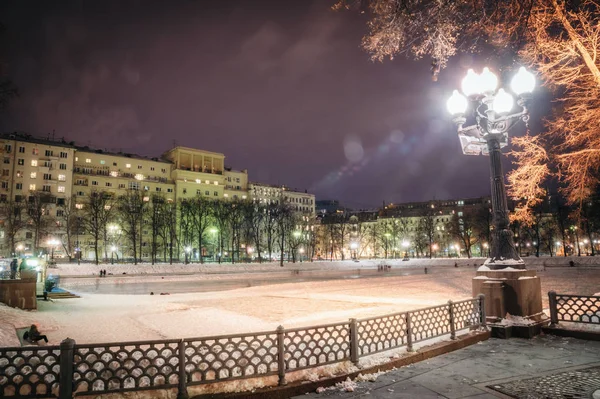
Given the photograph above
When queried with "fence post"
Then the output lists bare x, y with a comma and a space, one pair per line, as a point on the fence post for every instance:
281, 355
409, 341
353, 341
482, 315
553, 308
451, 313
182, 392
65, 380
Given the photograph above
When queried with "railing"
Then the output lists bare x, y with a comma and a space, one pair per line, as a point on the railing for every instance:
574, 308
71, 369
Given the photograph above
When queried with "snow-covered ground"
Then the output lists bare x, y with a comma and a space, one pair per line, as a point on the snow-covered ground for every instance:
88, 269
109, 318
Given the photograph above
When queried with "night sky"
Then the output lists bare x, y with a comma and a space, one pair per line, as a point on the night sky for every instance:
282, 88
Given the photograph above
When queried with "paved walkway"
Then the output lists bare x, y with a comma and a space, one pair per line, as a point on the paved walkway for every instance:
512, 366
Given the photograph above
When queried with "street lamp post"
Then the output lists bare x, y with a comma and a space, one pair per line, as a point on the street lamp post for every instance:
53, 243
112, 254
488, 136
187, 254
353, 247
405, 244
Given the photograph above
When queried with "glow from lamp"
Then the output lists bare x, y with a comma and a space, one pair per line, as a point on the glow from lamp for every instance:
503, 102
457, 103
523, 82
471, 84
488, 81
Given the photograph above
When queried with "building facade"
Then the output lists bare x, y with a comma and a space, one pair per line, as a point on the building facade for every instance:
59, 172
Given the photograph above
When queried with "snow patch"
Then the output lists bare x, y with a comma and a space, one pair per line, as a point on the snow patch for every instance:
510, 320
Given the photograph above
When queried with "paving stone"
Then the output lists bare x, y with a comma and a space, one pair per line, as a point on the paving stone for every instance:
465, 373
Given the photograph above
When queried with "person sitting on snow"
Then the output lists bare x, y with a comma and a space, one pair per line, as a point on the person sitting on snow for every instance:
34, 335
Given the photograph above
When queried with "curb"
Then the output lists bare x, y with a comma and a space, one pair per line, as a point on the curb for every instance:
578, 334
303, 387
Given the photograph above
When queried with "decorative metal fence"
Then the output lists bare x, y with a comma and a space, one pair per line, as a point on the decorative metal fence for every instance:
71, 369
574, 308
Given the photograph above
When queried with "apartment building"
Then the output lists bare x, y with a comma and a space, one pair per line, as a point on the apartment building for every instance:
301, 202
59, 170
118, 172
34, 165
197, 172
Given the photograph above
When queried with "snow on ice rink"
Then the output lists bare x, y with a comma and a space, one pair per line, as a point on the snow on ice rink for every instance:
120, 317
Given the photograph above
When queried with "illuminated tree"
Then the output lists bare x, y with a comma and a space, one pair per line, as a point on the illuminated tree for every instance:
559, 39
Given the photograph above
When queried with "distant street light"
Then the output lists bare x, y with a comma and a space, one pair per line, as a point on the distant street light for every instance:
187, 250
113, 249
488, 136
53, 242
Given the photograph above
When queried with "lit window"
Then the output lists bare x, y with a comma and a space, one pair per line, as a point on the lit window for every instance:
226, 195
139, 176
62, 178
32, 187
128, 165
114, 173
79, 206
33, 175
88, 160
107, 207
207, 182
33, 162
61, 189
198, 181
76, 159
146, 199
243, 197
102, 162
216, 183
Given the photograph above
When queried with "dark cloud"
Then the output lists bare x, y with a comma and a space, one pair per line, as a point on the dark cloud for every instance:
282, 88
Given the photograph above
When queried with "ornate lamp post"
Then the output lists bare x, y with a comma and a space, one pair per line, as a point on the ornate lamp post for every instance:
488, 136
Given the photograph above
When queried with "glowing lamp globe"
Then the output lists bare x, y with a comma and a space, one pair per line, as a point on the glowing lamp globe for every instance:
488, 81
457, 103
471, 84
503, 102
523, 82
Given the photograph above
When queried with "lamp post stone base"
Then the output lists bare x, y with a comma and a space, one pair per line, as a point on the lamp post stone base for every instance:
516, 292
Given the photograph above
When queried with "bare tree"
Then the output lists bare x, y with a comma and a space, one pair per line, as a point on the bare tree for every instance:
96, 215
559, 39
463, 229
131, 207
427, 226
236, 223
285, 225
255, 215
67, 214
38, 211
201, 211
12, 214
186, 225
155, 212
221, 216
270, 227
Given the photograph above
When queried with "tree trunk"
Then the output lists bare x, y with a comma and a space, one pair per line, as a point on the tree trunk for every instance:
576, 40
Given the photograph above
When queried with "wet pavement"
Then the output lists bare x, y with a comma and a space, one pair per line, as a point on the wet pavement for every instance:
543, 367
